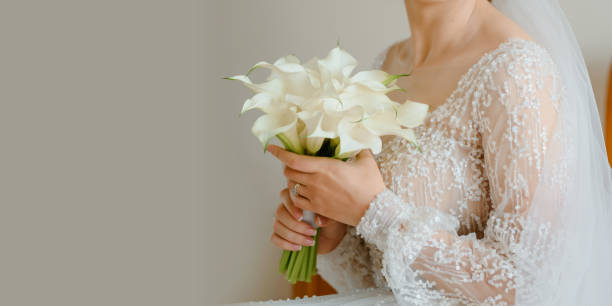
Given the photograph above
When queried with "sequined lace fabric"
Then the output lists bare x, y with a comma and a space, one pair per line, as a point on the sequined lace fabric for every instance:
457, 223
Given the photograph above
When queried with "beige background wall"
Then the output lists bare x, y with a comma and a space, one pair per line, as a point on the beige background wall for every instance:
126, 176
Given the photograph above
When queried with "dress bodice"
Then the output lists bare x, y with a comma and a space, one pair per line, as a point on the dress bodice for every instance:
469, 169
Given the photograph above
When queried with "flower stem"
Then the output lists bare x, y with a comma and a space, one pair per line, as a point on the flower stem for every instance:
298, 266
284, 263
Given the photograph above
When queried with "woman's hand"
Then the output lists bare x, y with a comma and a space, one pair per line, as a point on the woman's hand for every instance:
290, 232
332, 188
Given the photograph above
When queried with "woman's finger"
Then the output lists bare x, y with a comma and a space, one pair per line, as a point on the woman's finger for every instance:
364, 154
286, 219
302, 190
298, 162
297, 176
302, 202
284, 244
321, 221
282, 231
288, 203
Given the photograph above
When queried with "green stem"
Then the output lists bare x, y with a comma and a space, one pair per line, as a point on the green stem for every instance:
292, 259
304, 266
394, 77
284, 263
309, 262
298, 266
316, 246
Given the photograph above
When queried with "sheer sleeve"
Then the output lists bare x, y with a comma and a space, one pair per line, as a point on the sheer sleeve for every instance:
348, 266
425, 261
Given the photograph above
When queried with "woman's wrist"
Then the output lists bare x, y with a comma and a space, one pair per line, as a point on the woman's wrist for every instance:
361, 209
381, 214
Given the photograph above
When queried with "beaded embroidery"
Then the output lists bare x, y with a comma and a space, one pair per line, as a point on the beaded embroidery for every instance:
453, 225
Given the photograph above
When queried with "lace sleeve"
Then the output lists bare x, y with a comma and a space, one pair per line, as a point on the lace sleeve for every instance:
425, 261
348, 266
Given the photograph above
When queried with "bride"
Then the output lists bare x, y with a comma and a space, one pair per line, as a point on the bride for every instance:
507, 200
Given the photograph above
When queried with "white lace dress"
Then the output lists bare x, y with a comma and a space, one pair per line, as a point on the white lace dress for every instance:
445, 230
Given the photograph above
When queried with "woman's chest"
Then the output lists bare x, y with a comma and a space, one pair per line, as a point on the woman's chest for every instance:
431, 84
446, 170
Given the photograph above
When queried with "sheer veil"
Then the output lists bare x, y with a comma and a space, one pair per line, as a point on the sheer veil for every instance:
584, 264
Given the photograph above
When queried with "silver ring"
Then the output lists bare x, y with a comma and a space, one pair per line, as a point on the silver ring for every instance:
294, 190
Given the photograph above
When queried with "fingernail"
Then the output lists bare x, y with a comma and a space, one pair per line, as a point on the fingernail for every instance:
311, 232
318, 221
297, 247
299, 217
309, 242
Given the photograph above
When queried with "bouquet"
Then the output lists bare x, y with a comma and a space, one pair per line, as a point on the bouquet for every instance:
319, 108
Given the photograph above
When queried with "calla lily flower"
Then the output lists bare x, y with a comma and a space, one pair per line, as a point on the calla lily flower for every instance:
383, 123
377, 80
263, 101
274, 87
281, 122
338, 65
412, 114
306, 104
355, 137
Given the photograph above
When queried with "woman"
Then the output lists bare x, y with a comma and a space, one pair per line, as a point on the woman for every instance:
506, 201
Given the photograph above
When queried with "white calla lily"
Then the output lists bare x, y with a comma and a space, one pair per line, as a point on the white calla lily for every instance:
319, 126
281, 67
370, 75
377, 80
338, 65
332, 105
293, 76
372, 79
355, 137
274, 87
288, 59
412, 114
359, 95
282, 124
263, 101
312, 68
384, 123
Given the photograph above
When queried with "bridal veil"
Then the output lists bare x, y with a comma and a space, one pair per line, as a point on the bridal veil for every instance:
579, 272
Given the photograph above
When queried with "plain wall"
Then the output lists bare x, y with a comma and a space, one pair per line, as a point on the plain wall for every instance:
101, 152
126, 175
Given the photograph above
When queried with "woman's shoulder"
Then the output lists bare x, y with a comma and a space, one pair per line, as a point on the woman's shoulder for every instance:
516, 49
516, 59
519, 75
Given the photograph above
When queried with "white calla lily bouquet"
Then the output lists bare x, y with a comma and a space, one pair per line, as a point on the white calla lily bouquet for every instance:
319, 109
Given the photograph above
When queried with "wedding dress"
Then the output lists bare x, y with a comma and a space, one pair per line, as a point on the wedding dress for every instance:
507, 199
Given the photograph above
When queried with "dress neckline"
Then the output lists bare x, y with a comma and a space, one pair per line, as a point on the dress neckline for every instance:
508, 42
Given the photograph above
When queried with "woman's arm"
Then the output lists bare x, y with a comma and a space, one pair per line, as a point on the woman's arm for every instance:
425, 260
